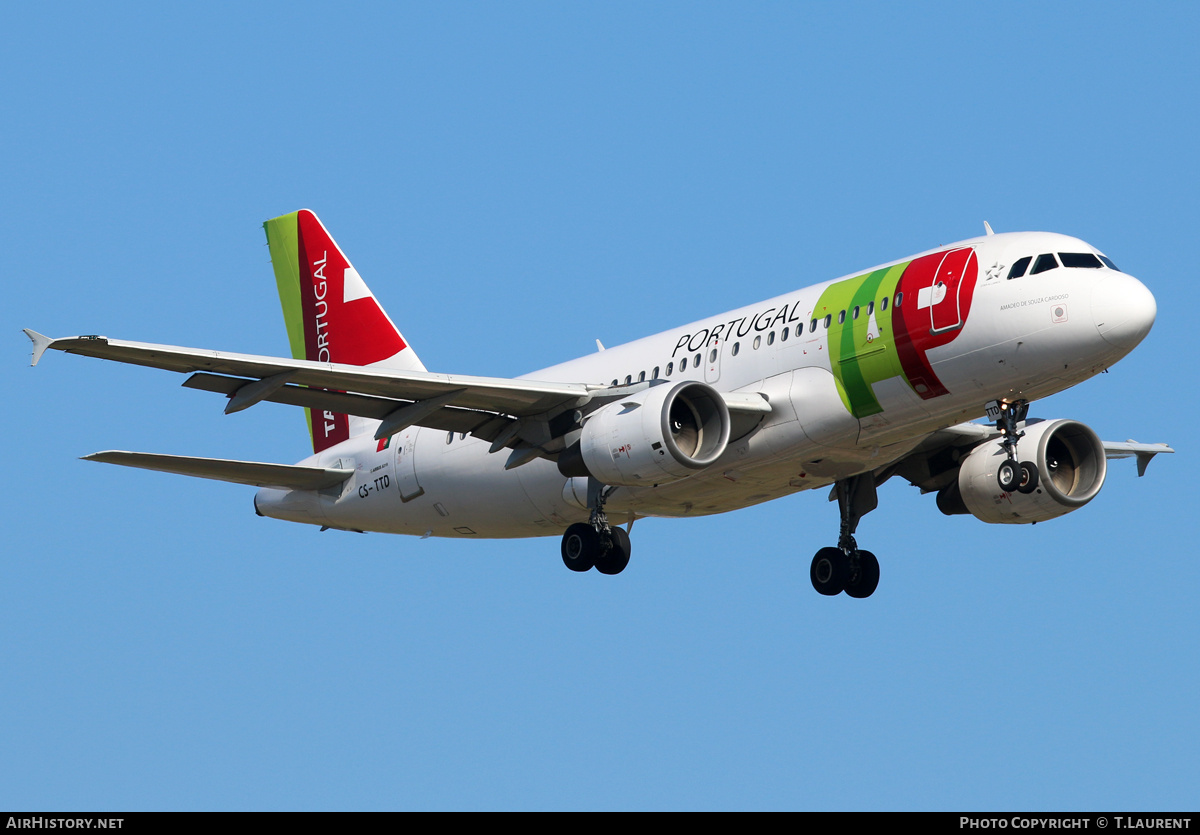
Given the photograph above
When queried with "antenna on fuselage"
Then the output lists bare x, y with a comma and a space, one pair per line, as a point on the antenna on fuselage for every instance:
988, 228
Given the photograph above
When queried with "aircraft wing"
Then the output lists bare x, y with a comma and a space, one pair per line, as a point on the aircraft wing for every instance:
933, 463
1143, 452
493, 394
487, 407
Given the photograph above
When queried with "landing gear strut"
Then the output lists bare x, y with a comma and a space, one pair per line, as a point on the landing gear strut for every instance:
1013, 475
596, 543
846, 568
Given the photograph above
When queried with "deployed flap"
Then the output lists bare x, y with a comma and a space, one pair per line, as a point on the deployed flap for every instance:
284, 476
481, 424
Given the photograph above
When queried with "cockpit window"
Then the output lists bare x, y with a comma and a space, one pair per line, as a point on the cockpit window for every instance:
1086, 260
1020, 266
1108, 263
1045, 261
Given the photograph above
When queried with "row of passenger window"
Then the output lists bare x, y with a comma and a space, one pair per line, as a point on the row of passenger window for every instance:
1046, 261
736, 347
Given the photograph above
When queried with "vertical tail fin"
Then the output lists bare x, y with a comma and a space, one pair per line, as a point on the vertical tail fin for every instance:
331, 315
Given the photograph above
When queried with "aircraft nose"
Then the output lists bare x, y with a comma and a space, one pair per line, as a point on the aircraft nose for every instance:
1123, 310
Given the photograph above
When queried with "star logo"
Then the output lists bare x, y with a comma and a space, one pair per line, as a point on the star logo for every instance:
994, 271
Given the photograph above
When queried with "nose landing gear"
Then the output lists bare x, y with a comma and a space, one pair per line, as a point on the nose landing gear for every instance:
1012, 475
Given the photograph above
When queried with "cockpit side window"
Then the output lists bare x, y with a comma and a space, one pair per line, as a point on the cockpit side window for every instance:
1108, 263
1045, 261
1019, 267
1085, 260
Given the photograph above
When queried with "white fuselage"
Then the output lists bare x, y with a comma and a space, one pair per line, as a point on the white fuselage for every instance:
1023, 338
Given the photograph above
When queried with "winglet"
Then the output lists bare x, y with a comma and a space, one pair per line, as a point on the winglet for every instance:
40, 344
1144, 457
1143, 452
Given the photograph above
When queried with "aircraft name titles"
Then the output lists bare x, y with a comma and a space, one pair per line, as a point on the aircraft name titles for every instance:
764, 320
1040, 300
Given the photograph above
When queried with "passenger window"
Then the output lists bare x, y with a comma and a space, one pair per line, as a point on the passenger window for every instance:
828, 320
870, 307
1083, 260
683, 364
615, 383
899, 298
628, 379
656, 372
1019, 267
757, 342
841, 317
771, 338
736, 347
812, 326
883, 304
449, 437
1045, 261
696, 361
641, 376
670, 368
783, 336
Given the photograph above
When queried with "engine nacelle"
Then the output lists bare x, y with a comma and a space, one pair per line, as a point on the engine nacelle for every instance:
1071, 469
662, 434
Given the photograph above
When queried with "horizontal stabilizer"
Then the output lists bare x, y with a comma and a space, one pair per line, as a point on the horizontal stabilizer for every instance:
283, 476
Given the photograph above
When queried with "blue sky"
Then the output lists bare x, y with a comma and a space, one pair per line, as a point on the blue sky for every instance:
514, 181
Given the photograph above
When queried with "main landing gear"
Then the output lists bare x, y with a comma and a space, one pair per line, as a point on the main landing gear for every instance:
1014, 476
596, 543
846, 568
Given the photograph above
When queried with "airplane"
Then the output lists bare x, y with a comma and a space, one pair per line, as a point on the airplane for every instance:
922, 368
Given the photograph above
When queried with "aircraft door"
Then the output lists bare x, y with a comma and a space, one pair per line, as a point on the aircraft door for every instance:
945, 296
406, 464
712, 359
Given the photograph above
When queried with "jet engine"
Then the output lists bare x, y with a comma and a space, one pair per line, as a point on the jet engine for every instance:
1071, 468
662, 434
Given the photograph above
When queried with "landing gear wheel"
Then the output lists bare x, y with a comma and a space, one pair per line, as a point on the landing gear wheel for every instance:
580, 547
1008, 476
864, 578
1029, 477
829, 571
617, 557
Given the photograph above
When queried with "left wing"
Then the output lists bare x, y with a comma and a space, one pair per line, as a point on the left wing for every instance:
515, 397
496, 409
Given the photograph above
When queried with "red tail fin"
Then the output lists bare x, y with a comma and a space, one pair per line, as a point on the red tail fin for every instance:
331, 314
